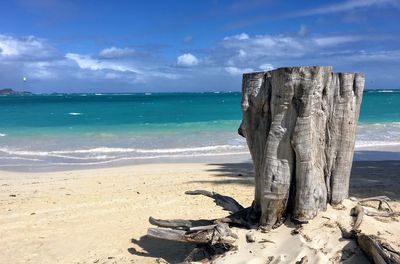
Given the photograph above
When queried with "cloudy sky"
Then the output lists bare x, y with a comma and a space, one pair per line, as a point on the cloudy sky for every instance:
164, 46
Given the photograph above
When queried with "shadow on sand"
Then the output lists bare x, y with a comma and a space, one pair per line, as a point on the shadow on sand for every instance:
381, 177
368, 178
171, 251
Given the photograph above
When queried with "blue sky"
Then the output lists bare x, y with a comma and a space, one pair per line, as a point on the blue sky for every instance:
164, 46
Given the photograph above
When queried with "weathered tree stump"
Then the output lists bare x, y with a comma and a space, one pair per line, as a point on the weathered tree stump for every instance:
300, 125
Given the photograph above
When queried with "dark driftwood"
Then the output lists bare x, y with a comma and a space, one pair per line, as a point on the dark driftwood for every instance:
179, 223
226, 202
300, 124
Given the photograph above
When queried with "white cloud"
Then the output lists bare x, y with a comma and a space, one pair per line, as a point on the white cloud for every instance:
303, 30
120, 69
187, 59
336, 40
114, 52
380, 56
223, 63
88, 63
242, 53
266, 45
41, 70
266, 67
266, 52
252, 51
237, 71
346, 6
350, 6
241, 36
25, 47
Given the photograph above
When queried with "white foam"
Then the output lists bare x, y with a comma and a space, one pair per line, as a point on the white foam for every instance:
126, 150
364, 144
19, 158
386, 91
75, 113
2, 135
52, 154
155, 157
102, 151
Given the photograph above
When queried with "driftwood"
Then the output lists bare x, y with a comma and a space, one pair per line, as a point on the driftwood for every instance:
219, 233
377, 250
300, 126
358, 213
179, 223
215, 231
382, 212
226, 202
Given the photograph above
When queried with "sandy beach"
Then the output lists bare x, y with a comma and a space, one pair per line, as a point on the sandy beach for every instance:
101, 215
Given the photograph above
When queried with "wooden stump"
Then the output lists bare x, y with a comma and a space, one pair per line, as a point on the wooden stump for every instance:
300, 125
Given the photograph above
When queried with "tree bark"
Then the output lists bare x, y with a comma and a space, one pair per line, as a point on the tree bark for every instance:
300, 125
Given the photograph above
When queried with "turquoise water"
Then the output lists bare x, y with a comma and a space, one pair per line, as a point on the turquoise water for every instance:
380, 106
104, 128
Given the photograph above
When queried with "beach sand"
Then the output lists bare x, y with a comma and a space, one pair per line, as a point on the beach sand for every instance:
101, 215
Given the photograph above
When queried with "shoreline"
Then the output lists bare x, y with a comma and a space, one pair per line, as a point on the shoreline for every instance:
386, 152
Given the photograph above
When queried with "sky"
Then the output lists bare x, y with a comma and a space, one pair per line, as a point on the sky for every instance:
191, 45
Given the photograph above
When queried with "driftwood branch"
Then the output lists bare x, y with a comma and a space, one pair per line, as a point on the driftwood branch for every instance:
378, 251
226, 202
219, 233
380, 214
382, 197
179, 223
382, 200
358, 213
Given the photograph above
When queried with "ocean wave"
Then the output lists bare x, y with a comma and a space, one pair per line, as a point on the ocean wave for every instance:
3, 135
386, 91
154, 157
55, 154
372, 143
19, 158
138, 150
75, 113
382, 91
69, 154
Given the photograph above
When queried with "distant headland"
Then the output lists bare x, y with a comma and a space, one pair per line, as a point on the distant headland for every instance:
8, 91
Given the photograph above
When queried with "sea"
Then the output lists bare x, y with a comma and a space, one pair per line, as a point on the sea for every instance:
80, 130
